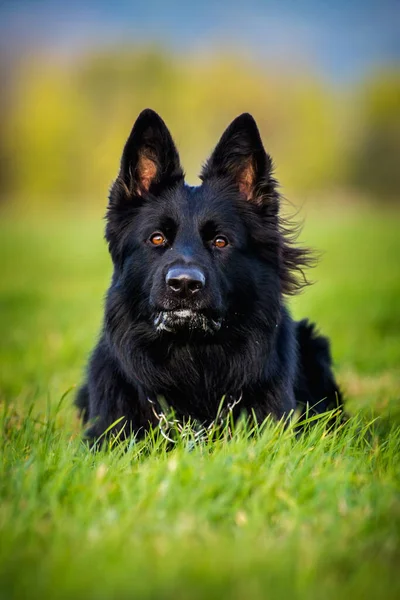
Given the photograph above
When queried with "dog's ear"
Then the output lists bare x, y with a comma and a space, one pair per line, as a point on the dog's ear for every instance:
240, 157
150, 159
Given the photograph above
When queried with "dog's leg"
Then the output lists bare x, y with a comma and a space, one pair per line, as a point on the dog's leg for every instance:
110, 405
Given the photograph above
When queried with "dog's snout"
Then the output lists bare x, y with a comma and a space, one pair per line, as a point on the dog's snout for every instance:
185, 281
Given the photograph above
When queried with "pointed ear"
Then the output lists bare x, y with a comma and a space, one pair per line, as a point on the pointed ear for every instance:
150, 159
240, 157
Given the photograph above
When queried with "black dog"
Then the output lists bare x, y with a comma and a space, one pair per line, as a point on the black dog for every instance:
195, 310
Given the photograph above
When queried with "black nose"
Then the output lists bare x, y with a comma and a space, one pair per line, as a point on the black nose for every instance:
185, 281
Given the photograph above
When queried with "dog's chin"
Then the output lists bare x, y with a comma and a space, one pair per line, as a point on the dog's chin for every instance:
174, 321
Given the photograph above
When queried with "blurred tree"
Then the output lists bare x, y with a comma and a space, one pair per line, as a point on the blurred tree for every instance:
377, 149
69, 118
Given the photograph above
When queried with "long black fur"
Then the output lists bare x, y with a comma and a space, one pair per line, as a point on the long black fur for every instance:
239, 337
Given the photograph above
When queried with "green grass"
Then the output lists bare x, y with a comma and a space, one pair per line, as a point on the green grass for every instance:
268, 516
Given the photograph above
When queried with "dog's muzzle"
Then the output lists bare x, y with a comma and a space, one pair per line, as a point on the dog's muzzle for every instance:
173, 320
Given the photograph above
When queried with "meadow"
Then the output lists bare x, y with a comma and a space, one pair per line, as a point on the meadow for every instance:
270, 515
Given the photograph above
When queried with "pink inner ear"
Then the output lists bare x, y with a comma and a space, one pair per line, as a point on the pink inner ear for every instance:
246, 179
146, 171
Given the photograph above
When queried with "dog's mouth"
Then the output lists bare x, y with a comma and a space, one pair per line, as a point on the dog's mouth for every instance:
174, 320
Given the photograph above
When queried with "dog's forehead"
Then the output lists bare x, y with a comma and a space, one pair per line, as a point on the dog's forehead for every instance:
190, 196
201, 201
193, 206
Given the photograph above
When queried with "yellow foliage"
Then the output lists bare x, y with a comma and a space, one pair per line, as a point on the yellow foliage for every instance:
68, 122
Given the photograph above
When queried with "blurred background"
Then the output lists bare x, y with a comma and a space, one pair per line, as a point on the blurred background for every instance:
322, 80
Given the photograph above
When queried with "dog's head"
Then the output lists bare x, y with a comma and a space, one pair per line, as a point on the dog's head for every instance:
198, 259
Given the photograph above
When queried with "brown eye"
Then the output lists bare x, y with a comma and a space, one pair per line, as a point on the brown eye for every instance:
220, 241
157, 239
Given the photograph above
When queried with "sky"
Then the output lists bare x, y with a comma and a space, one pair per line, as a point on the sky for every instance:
342, 40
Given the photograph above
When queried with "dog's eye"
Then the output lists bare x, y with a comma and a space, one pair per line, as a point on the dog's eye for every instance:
158, 239
220, 241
